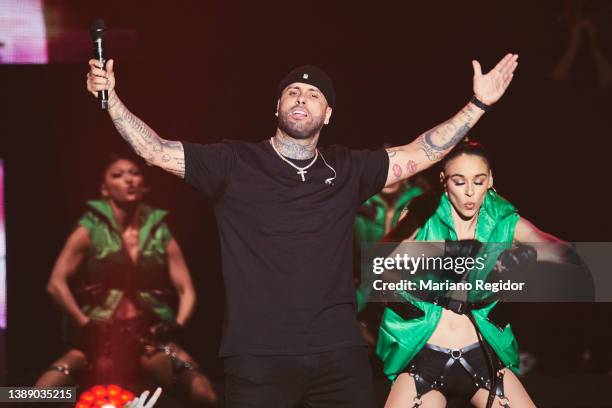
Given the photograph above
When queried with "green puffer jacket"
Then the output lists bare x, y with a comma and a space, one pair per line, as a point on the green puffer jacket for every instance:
108, 273
400, 340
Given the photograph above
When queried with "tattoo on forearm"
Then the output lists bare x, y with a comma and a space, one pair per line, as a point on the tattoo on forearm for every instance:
397, 170
444, 131
141, 129
468, 112
123, 129
447, 134
146, 143
411, 167
393, 151
112, 100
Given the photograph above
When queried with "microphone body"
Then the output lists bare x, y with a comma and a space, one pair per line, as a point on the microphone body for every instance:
99, 55
97, 36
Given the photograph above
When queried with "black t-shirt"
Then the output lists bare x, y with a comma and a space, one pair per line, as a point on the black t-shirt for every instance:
285, 244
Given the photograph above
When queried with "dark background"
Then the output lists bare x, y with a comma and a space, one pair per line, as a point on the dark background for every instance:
203, 71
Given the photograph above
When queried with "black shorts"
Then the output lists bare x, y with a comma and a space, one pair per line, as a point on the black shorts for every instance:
338, 378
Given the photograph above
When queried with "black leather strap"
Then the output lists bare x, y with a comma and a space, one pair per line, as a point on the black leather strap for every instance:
458, 306
480, 104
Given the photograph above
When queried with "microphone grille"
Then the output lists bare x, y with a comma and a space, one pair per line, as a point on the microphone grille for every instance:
97, 29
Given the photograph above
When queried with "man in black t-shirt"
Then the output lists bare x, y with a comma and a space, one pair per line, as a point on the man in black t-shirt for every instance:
285, 211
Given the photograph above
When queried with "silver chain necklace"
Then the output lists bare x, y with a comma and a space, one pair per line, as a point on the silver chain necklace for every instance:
300, 170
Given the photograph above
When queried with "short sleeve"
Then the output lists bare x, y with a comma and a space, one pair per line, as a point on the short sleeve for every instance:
373, 166
208, 167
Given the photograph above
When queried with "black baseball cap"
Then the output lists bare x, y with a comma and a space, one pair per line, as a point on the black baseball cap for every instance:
309, 74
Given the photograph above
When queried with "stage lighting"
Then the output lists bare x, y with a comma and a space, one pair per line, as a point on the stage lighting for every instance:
105, 396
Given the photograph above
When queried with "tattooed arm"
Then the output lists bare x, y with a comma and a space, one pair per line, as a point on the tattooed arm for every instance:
431, 146
146, 143
168, 155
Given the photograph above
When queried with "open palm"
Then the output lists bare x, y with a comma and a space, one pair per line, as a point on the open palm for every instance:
492, 85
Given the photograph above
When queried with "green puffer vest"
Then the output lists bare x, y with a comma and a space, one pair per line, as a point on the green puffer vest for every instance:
400, 340
109, 274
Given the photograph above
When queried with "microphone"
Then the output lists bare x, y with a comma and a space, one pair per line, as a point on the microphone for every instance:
97, 30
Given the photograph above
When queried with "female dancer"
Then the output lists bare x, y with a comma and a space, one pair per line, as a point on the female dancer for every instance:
128, 268
444, 349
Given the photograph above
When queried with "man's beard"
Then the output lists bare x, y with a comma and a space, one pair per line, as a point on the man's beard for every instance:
296, 131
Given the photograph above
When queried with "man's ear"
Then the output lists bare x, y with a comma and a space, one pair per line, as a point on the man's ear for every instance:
328, 113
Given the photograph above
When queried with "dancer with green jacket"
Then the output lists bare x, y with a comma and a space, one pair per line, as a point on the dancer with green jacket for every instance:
437, 354
125, 272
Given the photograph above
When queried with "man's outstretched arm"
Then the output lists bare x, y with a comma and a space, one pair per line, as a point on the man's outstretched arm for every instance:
431, 146
168, 155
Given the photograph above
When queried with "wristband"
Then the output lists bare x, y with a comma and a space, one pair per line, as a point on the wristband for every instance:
480, 103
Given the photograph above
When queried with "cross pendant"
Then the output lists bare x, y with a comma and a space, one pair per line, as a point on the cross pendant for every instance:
301, 173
